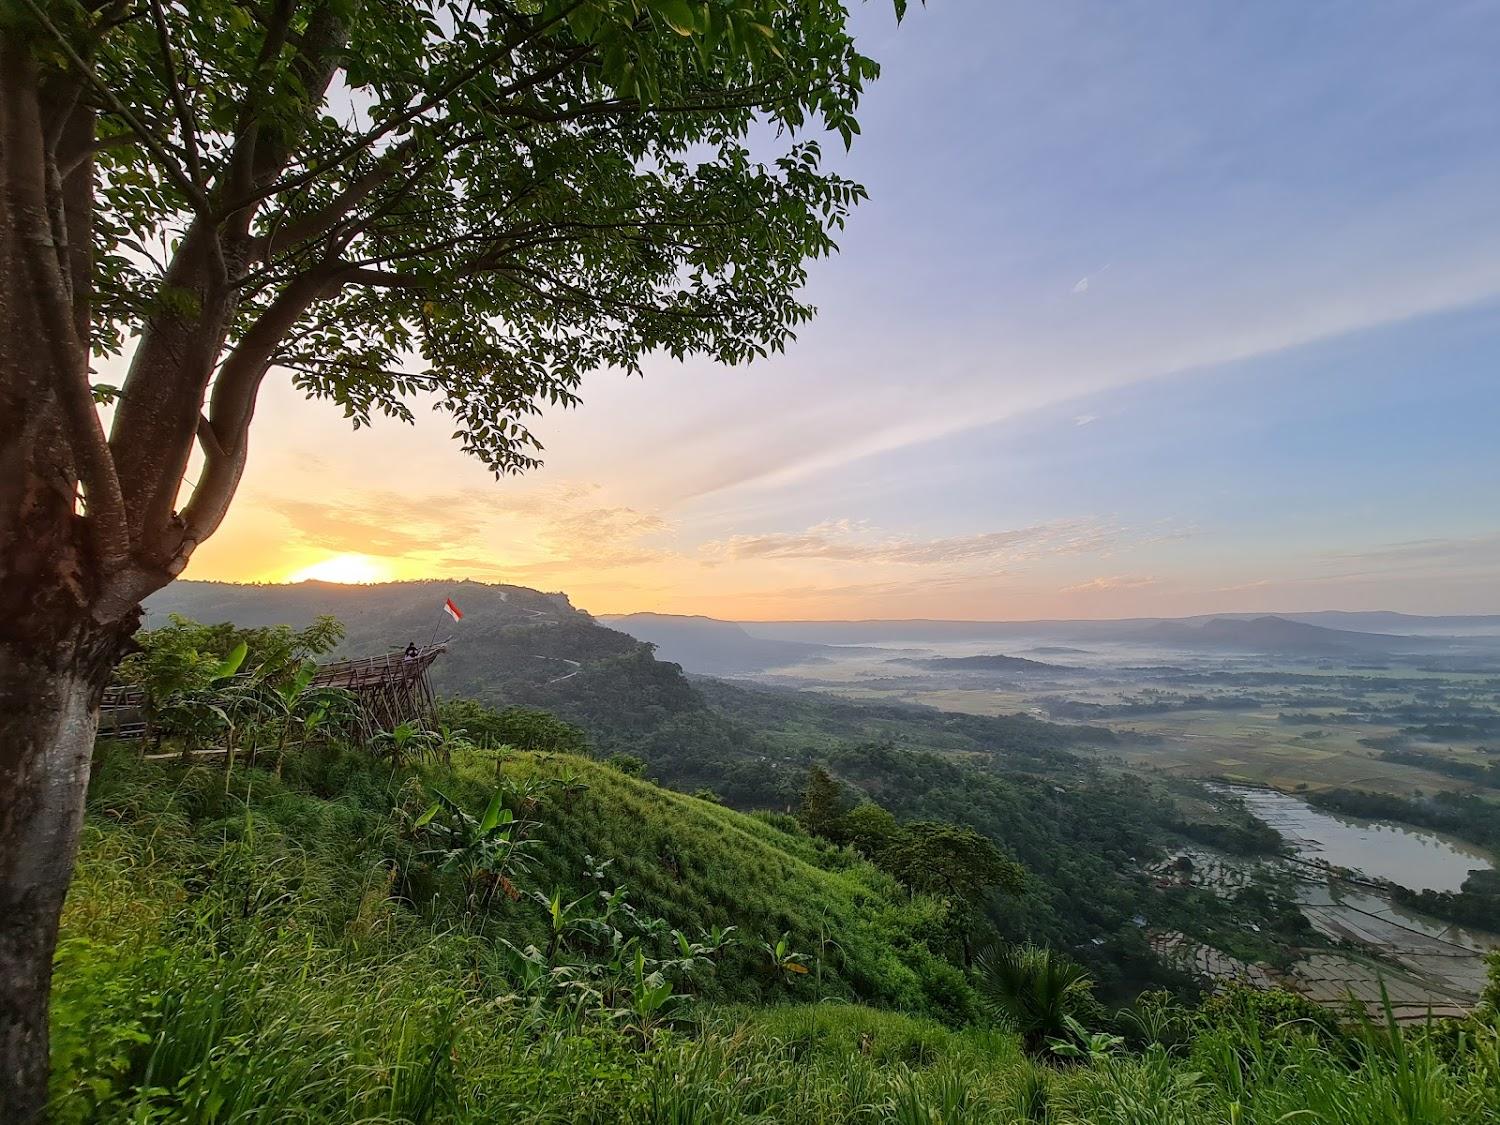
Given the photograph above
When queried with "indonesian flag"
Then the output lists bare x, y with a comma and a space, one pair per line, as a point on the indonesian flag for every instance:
452, 610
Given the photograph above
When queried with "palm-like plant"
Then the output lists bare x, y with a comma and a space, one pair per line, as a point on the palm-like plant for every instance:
567, 920
292, 704
1034, 991
406, 739
650, 1000
570, 785
483, 851
783, 958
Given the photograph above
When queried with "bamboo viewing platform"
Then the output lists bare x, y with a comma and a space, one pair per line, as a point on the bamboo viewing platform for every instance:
388, 689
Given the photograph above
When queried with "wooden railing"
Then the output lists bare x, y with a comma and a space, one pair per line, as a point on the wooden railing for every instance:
389, 689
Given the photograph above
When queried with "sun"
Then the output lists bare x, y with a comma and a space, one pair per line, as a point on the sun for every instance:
349, 569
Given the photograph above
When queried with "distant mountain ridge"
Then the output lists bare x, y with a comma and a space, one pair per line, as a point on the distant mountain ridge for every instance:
1250, 632
709, 646
713, 646
1273, 634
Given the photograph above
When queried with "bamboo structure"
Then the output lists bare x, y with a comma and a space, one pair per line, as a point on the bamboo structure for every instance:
388, 690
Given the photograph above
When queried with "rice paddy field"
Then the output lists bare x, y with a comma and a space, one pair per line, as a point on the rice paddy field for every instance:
1283, 722
1293, 725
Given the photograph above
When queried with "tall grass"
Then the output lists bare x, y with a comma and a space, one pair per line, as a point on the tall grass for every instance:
256, 956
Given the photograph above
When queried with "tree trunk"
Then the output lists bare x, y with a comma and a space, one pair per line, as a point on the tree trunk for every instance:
49, 701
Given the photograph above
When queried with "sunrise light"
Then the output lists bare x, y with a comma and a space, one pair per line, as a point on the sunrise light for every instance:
351, 569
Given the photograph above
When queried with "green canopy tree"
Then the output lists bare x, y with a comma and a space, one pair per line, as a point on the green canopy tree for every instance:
869, 829
822, 803
463, 203
956, 863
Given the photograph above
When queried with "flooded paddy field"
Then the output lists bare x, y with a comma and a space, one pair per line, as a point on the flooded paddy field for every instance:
1338, 864
1415, 858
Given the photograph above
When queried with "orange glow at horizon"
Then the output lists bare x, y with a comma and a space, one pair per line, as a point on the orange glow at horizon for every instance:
349, 569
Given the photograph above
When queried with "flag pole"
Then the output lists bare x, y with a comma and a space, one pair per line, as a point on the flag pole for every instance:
452, 611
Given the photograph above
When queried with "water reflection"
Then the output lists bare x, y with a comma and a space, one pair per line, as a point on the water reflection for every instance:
1413, 857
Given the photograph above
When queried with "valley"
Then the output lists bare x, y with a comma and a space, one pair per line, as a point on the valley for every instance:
1094, 758
1267, 712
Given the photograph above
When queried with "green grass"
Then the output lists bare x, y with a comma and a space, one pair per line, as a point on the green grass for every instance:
252, 953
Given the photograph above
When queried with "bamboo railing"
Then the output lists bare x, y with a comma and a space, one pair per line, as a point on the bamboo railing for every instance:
388, 690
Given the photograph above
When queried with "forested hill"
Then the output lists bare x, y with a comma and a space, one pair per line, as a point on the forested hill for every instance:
1084, 831
513, 646
520, 646
378, 616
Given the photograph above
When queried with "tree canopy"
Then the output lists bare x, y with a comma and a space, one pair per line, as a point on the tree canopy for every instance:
467, 203
476, 201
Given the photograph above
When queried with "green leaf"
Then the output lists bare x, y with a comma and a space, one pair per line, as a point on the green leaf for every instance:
491, 818
231, 663
679, 15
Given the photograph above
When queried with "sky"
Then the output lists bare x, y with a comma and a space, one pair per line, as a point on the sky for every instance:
1156, 308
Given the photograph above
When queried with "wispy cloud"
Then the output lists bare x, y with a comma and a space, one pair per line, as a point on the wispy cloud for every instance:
845, 542
383, 523
1083, 283
1435, 555
1112, 582
571, 532
1238, 587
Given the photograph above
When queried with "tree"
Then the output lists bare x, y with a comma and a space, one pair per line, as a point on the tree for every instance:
956, 862
869, 829
822, 803
953, 860
476, 202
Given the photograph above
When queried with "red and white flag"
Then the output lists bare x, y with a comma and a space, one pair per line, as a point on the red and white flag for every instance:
452, 610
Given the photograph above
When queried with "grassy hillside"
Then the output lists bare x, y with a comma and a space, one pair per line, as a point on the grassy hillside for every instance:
1026, 784
259, 949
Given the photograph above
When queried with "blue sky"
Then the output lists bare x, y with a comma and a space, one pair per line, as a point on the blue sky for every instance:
1155, 308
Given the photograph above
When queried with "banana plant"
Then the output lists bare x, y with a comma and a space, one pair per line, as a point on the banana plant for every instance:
698, 954
405, 740
289, 700
782, 958
651, 1001
568, 920
525, 797
484, 851
1095, 1046
570, 786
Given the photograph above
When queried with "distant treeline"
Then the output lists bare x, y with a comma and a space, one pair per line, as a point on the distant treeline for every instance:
1078, 710
1482, 773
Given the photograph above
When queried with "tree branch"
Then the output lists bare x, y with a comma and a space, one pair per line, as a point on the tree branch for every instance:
232, 406
174, 91
368, 139
100, 144
86, 72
